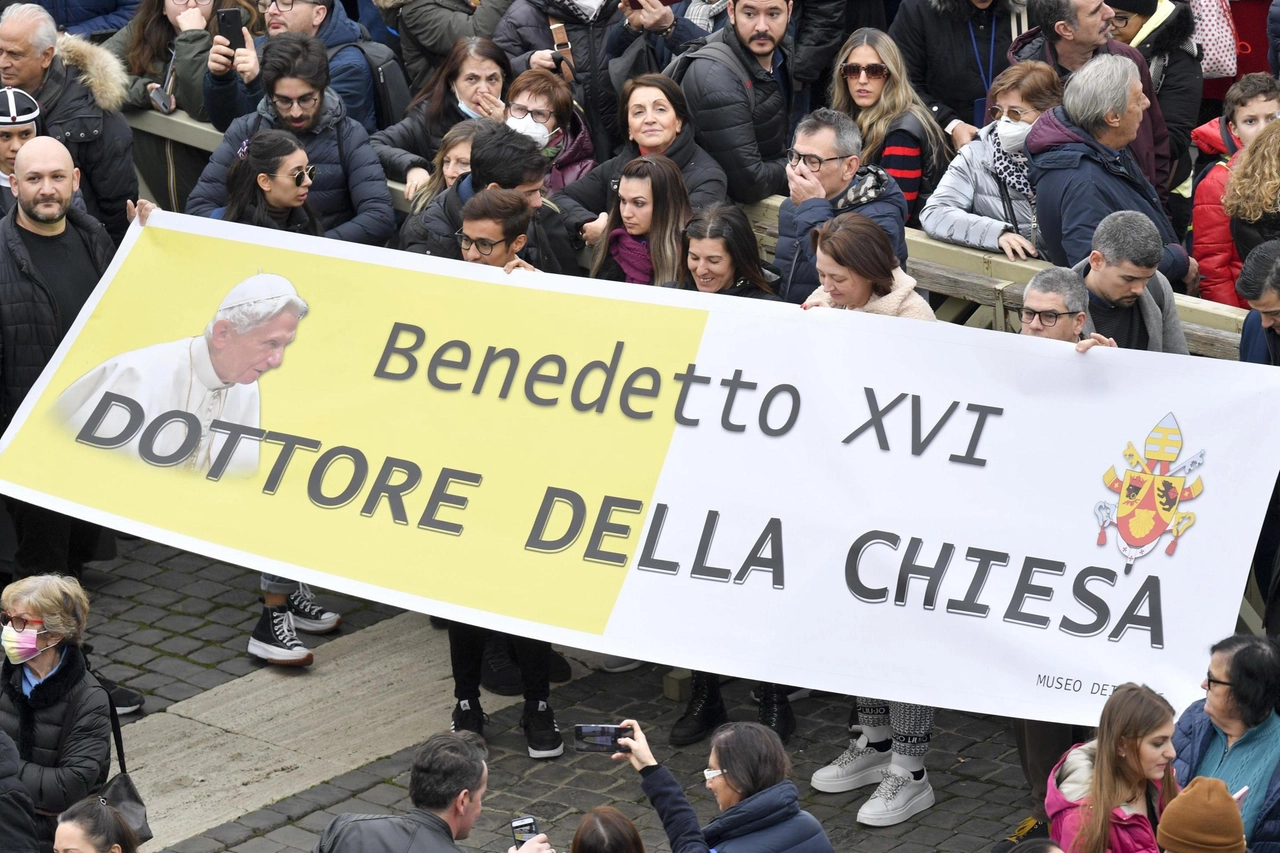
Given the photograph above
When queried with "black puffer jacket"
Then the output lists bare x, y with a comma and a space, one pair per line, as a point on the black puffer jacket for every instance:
524, 30
15, 804
934, 37
80, 101
432, 231
349, 192
414, 141
55, 782
30, 327
749, 144
1173, 58
819, 33
429, 28
584, 200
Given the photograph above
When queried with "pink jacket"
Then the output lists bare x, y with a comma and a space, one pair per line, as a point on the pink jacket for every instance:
1069, 786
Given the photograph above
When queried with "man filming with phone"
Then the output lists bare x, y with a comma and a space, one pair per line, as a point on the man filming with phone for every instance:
233, 87
447, 784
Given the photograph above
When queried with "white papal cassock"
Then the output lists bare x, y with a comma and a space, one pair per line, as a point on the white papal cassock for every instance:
161, 378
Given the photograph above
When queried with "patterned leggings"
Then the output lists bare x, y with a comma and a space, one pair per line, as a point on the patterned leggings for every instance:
911, 724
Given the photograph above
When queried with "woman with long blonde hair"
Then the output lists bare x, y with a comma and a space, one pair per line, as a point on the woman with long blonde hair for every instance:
1252, 199
871, 85
1108, 794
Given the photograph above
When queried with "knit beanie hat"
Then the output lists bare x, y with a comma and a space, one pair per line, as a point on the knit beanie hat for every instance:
17, 107
1202, 819
1145, 8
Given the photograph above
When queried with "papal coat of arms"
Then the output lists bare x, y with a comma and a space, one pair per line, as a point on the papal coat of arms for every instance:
1151, 493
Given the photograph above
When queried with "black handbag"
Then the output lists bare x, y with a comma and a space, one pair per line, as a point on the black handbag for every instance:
120, 793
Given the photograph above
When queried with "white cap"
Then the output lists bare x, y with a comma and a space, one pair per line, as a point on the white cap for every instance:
258, 288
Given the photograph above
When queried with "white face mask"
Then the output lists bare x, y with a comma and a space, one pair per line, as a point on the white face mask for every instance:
1012, 134
530, 128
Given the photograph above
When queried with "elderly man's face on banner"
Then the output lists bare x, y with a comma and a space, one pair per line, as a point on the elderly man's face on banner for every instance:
243, 357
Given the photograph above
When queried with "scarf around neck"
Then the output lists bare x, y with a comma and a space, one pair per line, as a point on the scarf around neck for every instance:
1012, 169
702, 13
632, 255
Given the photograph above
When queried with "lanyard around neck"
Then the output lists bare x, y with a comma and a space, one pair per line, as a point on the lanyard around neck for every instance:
988, 76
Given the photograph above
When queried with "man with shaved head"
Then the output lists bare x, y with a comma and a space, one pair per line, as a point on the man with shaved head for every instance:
51, 257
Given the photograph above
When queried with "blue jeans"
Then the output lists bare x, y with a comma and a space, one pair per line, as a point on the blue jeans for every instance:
278, 585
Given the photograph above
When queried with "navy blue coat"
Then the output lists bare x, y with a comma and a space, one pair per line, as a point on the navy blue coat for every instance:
227, 98
349, 191
887, 207
769, 821
86, 17
1079, 182
1191, 738
1258, 345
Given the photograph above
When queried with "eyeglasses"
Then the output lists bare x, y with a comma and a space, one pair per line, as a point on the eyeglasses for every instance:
284, 104
309, 173
484, 247
185, 2
18, 623
1210, 680
874, 71
812, 162
1119, 22
711, 774
520, 111
1047, 318
282, 5
1015, 113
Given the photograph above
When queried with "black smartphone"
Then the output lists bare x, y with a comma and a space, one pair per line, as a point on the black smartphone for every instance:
524, 829
229, 27
600, 738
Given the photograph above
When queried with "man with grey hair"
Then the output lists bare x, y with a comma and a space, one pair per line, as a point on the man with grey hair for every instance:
80, 88
1067, 34
1055, 306
826, 178
1083, 171
1129, 298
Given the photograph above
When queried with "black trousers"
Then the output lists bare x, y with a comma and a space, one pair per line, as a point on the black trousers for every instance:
1040, 747
49, 542
466, 654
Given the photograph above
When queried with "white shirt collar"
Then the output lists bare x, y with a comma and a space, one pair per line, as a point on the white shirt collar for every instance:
202, 364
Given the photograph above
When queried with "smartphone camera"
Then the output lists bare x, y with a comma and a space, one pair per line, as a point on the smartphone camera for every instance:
229, 27
524, 829
600, 738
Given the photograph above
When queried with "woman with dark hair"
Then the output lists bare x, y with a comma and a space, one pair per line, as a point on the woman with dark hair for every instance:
268, 184
472, 83
94, 826
870, 84
541, 107
604, 829
722, 256
652, 109
1108, 794
859, 271
166, 47
985, 199
747, 774
1233, 734
645, 227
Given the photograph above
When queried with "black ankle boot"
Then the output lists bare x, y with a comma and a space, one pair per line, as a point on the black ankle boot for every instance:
704, 712
775, 711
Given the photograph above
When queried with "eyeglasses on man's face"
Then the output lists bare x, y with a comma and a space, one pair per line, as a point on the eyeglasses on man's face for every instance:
284, 104
283, 5
483, 246
1047, 318
301, 176
1210, 681
812, 162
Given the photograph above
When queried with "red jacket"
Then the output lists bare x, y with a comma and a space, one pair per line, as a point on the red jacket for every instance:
1069, 786
1212, 246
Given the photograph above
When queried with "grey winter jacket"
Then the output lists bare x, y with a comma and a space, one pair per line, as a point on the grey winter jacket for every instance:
968, 206
1159, 314
350, 189
419, 831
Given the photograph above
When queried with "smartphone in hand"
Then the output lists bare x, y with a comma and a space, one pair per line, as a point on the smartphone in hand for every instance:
524, 829
230, 28
600, 738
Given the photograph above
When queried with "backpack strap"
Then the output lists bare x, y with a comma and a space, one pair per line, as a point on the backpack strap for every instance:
561, 44
720, 53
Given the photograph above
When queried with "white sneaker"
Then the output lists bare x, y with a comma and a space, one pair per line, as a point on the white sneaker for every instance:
616, 663
897, 799
857, 766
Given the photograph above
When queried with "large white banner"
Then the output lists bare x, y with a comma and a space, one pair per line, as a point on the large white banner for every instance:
912, 511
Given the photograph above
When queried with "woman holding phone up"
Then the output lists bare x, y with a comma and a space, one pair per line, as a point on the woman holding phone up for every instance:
165, 51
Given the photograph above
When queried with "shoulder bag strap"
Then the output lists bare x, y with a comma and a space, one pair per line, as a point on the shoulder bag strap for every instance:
561, 44
116, 735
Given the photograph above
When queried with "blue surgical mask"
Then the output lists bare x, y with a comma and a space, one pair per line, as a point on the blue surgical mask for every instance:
466, 110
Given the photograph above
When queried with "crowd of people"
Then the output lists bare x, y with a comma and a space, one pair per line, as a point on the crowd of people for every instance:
619, 142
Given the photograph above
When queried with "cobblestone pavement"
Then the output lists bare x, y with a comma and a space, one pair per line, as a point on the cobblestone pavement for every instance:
172, 624
973, 767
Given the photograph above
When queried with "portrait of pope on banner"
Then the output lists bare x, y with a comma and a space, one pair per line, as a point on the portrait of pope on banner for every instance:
212, 376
